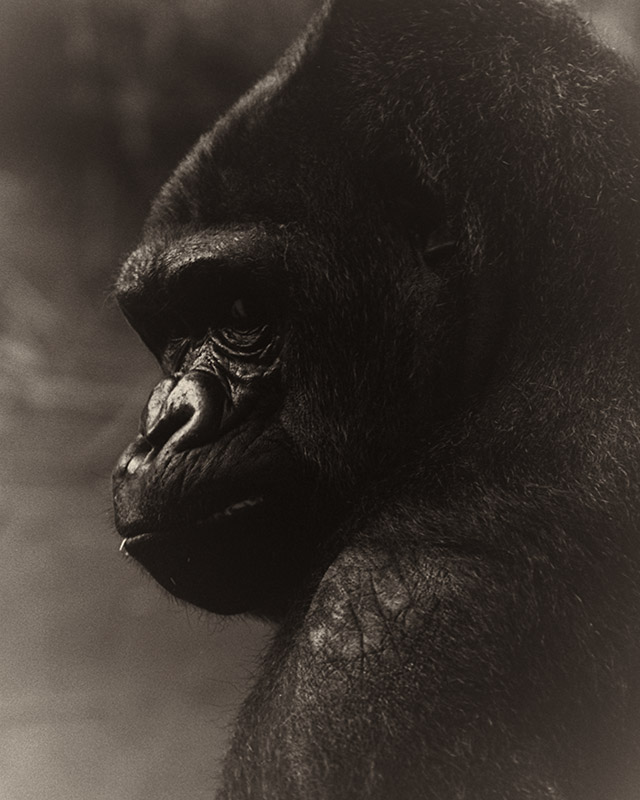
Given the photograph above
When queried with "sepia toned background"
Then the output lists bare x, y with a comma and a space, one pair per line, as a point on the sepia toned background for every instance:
109, 690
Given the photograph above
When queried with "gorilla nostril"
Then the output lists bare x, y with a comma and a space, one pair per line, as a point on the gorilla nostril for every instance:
185, 411
152, 412
166, 423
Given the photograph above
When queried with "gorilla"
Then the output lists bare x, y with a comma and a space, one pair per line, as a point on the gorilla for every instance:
394, 294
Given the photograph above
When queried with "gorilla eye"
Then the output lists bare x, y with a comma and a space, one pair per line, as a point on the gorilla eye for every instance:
239, 313
246, 314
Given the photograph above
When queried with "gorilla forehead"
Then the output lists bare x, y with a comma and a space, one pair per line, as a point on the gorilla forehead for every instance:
271, 134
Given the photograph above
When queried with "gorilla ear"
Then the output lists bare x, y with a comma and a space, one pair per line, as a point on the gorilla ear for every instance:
415, 207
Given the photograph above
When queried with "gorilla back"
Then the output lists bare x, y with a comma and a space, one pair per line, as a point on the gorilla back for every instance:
394, 294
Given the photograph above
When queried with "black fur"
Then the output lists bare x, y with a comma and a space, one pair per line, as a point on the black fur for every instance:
448, 190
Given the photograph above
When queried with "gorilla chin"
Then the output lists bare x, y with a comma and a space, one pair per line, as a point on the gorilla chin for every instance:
184, 561
206, 563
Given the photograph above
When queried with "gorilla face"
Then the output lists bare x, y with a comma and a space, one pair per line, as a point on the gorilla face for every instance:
208, 496
292, 323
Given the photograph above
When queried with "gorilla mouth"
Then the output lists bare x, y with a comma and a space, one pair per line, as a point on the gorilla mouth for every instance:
230, 511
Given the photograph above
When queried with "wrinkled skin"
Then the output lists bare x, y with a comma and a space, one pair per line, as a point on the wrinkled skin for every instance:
394, 293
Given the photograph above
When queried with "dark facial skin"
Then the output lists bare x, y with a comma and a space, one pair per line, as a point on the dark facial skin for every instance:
210, 495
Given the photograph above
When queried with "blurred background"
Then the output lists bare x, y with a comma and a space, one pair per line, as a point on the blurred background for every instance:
108, 689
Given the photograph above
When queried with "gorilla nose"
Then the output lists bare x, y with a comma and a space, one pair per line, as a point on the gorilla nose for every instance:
183, 412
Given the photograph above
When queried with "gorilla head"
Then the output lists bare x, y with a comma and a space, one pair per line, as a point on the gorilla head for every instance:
295, 316
394, 296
